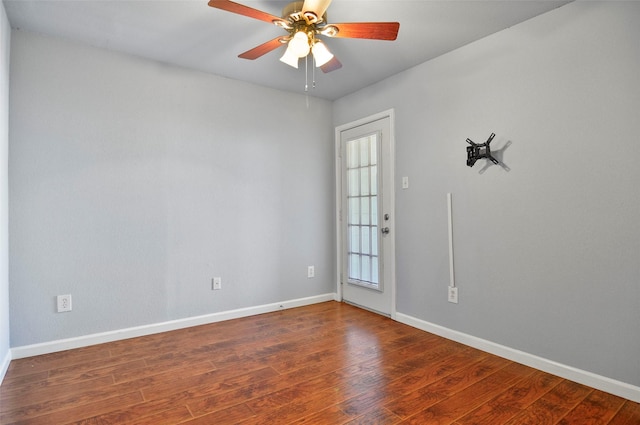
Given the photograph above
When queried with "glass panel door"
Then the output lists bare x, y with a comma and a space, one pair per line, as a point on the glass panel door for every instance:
366, 214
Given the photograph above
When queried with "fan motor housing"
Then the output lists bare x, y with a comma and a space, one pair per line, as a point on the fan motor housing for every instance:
293, 13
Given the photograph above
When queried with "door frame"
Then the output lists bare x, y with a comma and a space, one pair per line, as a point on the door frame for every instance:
388, 191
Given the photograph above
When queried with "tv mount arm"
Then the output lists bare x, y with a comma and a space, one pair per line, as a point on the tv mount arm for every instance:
477, 151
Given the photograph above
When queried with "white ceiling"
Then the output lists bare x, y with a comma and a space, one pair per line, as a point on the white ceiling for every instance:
191, 34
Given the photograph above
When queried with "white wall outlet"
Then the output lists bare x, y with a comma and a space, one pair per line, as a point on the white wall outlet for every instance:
453, 294
64, 303
405, 182
311, 271
216, 283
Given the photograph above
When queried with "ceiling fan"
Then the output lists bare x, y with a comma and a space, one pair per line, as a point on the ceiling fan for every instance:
305, 21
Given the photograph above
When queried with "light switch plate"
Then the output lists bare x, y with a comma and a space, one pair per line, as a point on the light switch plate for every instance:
217, 283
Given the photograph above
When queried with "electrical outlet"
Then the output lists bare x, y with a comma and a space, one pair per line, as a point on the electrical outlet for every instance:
216, 283
311, 271
453, 294
64, 303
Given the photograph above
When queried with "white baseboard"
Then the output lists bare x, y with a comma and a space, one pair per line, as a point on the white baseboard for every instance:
4, 365
100, 338
602, 383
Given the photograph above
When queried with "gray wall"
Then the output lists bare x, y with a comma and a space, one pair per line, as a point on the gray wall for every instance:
546, 253
133, 183
5, 40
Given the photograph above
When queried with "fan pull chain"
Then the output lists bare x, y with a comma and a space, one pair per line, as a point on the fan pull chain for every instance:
306, 73
306, 80
313, 72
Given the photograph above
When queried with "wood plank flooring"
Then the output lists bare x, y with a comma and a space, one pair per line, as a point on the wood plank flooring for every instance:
328, 363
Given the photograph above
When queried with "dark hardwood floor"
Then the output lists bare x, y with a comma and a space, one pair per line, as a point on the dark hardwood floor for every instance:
328, 363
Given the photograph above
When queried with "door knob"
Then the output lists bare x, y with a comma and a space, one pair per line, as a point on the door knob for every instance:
385, 230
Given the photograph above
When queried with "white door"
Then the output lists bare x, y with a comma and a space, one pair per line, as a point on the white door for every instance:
366, 214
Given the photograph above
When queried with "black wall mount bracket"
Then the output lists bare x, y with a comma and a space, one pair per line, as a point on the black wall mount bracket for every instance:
480, 150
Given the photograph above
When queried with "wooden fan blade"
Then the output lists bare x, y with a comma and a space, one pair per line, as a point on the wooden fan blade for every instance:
332, 65
240, 9
370, 30
262, 49
316, 6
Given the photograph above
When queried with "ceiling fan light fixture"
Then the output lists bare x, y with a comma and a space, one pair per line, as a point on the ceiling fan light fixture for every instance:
299, 44
321, 54
303, 20
290, 58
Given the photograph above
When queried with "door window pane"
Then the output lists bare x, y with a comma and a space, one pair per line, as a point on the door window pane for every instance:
354, 266
354, 211
366, 268
374, 180
353, 155
365, 217
374, 210
366, 240
354, 182
374, 269
354, 245
374, 241
364, 143
364, 181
